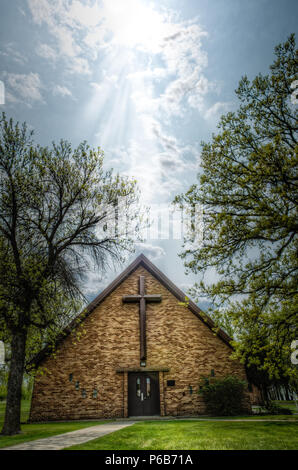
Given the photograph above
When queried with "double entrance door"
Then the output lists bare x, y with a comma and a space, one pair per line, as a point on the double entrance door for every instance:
143, 394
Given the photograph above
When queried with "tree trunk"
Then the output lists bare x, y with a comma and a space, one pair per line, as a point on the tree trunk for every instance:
264, 394
12, 423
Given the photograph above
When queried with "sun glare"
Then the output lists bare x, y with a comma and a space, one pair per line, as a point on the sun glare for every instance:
135, 24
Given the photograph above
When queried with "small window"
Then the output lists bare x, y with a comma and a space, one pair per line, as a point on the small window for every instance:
84, 393
95, 393
70, 377
190, 389
77, 385
212, 373
148, 387
170, 383
138, 387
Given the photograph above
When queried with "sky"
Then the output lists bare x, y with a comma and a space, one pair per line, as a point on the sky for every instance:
147, 81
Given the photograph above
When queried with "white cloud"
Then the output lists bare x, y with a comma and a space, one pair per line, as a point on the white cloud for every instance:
10, 98
185, 60
25, 88
65, 21
40, 10
10, 51
185, 286
134, 24
153, 252
159, 172
59, 90
105, 84
82, 29
217, 109
151, 67
84, 14
80, 66
96, 281
145, 104
173, 152
149, 73
46, 51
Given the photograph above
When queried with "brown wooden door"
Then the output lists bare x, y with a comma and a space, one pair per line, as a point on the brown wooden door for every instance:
143, 394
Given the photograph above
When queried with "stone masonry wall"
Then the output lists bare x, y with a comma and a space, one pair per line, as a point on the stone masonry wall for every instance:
176, 339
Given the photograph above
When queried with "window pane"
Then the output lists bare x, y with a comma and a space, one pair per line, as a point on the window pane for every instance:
138, 387
148, 387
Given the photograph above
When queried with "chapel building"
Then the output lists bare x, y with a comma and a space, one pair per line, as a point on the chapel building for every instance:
138, 350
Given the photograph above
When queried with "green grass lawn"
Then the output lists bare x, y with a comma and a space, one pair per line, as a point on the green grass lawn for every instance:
35, 431
199, 435
291, 405
25, 410
288, 404
169, 435
256, 418
31, 432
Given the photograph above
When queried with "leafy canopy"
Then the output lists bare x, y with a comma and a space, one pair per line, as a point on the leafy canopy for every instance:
58, 208
248, 190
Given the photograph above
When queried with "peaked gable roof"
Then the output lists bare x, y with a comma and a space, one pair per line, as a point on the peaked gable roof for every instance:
143, 261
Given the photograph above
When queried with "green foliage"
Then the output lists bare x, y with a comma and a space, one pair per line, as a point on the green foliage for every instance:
58, 209
27, 385
61, 214
3, 392
3, 382
248, 191
274, 409
223, 396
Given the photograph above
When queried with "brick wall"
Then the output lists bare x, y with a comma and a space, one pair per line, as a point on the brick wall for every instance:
176, 340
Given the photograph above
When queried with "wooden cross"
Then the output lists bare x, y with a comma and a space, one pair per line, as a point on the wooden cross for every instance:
142, 299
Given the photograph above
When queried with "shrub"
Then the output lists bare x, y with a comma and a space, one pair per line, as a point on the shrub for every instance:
223, 396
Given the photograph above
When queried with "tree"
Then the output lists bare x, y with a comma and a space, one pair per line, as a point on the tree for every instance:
58, 214
248, 191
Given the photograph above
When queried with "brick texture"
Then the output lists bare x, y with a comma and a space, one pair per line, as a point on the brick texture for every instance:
176, 340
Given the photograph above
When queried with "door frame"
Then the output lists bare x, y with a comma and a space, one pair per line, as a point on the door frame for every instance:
143, 374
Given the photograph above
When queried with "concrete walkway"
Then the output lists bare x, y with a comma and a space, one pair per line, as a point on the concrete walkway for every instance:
68, 439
